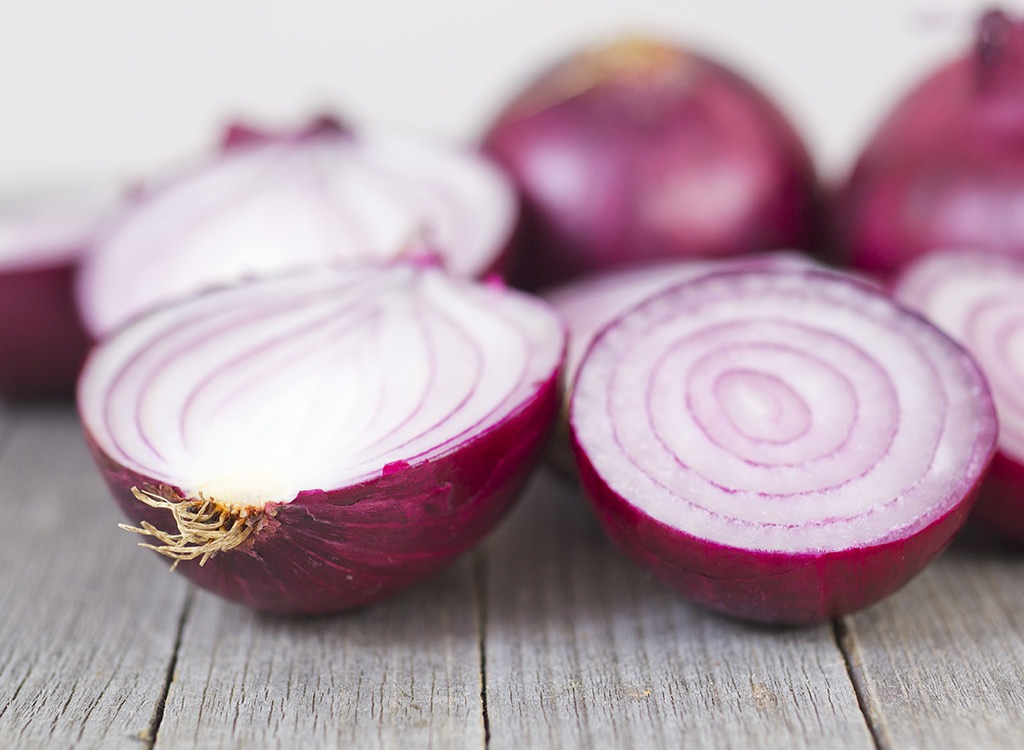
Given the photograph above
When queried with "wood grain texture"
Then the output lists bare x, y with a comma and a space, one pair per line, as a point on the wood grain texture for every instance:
582, 650
402, 674
88, 622
941, 663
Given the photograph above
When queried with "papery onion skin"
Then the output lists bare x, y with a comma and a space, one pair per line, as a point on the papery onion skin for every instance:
946, 167
391, 532
333, 549
783, 587
641, 151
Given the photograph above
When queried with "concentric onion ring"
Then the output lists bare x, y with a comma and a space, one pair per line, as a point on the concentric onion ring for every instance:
279, 205
757, 438
978, 299
368, 424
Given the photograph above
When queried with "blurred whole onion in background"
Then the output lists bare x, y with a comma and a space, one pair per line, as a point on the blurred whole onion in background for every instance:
642, 150
946, 168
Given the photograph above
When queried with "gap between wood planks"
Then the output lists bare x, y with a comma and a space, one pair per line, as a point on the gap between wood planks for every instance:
847, 647
158, 712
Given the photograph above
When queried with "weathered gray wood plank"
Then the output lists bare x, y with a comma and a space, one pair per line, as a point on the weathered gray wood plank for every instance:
402, 674
87, 621
582, 650
941, 664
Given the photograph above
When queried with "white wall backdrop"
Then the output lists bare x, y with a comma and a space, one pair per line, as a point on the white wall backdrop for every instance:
110, 89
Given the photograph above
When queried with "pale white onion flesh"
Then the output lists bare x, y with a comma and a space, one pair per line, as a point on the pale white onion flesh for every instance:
978, 299
590, 303
314, 381
797, 412
285, 205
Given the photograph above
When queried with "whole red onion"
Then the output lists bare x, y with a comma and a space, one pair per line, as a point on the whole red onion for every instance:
946, 168
641, 151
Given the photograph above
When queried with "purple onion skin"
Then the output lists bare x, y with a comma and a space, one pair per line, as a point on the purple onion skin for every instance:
328, 551
671, 157
769, 587
946, 168
42, 342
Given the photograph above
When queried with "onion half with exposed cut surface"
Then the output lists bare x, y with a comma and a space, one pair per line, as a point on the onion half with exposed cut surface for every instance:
785, 446
978, 299
281, 204
316, 442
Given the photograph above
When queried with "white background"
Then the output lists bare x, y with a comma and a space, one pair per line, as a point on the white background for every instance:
114, 89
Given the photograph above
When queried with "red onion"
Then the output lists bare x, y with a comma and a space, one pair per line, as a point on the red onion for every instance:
978, 299
641, 151
317, 442
590, 303
42, 343
783, 446
946, 168
285, 203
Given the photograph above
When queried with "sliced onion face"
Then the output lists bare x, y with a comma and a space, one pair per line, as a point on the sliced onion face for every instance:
784, 446
42, 343
588, 304
284, 204
978, 299
376, 420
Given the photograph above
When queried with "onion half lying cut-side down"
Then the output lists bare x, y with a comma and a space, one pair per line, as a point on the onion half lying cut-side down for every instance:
281, 204
783, 446
978, 299
42, 342
317, 442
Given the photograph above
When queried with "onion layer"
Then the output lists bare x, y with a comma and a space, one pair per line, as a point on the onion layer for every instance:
317, 442
640, 151
946, 167
783, 446
277, 204
978, 299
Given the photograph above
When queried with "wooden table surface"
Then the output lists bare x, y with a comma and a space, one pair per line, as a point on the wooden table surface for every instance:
542, 637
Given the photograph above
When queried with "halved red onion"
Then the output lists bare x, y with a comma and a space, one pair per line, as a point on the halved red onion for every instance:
587, 305
640, 150
978, 299
316, 442
282, 204
783, 446
42, 342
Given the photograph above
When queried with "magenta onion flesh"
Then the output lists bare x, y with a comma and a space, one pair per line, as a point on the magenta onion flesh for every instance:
641, 151
283, 204
783, 446
946, 167
42, 342
316, 442
978, 299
